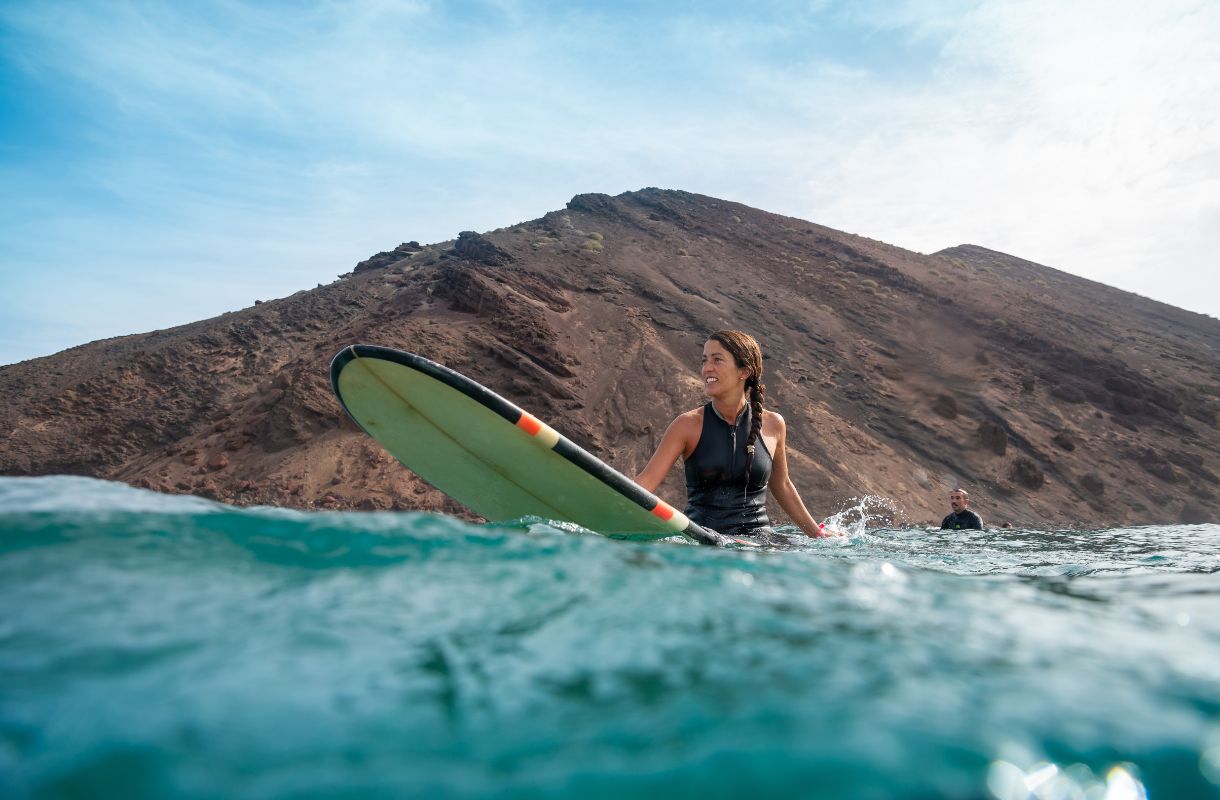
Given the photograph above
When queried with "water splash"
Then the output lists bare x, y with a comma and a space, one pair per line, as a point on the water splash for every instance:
868, 511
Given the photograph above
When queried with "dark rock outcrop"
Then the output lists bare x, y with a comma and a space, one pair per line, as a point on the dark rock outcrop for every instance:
1092, 484
475, 247
993, 437
946, 406
388, 257
1065, 441
1027, 474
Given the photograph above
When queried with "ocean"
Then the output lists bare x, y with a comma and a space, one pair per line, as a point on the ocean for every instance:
164, 646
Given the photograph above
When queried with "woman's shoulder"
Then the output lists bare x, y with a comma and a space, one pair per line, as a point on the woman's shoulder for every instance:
773, 420
695, 415
688, 419
687, 426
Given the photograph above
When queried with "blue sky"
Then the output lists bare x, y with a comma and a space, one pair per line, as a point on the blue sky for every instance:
165, 162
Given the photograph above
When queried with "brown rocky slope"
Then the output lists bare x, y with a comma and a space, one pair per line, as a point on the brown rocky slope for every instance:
1057, 401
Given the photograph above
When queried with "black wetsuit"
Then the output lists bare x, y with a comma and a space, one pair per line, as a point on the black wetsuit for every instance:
965, 520
718, 495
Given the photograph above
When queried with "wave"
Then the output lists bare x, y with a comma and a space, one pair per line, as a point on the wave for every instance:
171, 646
53, 510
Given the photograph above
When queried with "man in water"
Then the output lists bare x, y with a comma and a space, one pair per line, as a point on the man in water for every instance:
962, 517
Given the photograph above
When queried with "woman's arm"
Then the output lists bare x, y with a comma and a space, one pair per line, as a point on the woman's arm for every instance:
673, 444
782, 488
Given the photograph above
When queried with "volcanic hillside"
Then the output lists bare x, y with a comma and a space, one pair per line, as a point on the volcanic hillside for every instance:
1055, 400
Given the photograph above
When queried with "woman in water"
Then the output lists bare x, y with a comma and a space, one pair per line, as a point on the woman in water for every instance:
733, 449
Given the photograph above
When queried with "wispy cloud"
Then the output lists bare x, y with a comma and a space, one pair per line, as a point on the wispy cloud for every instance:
276, 144
1082, 135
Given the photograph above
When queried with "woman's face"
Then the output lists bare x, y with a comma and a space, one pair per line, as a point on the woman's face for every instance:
720, 372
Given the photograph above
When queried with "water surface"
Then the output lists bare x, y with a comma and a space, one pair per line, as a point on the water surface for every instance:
158, 646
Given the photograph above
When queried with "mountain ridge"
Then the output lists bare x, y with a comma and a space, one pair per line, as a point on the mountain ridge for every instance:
1054, 399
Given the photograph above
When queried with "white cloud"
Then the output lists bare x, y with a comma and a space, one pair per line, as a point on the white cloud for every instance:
1082, 135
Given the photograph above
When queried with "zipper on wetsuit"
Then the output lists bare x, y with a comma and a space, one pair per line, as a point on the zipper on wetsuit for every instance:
732, 449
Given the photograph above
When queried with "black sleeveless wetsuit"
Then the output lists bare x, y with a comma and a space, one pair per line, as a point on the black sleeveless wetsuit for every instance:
717, 493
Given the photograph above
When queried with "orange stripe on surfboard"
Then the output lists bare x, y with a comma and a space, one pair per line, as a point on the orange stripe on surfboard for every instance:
529, 424
663, 510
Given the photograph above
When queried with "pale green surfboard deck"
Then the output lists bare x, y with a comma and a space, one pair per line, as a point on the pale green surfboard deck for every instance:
487, 453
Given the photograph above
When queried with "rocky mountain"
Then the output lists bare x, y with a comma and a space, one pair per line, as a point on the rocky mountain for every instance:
1055, 400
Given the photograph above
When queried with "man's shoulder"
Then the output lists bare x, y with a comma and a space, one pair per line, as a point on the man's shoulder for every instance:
964, 519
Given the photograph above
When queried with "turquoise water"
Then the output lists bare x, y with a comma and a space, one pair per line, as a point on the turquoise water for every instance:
157, 646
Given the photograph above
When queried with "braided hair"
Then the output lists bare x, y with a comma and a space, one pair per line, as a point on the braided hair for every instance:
748, 355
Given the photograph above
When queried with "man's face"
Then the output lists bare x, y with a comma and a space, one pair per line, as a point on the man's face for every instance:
958, 501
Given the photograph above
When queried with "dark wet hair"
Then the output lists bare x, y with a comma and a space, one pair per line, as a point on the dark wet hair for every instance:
748, 355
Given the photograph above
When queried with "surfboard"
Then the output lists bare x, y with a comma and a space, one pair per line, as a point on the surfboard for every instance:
491, 456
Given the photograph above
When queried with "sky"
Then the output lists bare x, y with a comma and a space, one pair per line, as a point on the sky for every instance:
165, 162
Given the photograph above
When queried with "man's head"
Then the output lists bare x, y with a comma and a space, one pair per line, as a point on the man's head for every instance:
959, 500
